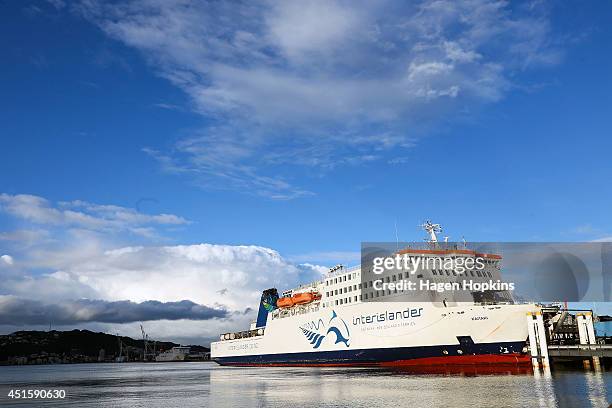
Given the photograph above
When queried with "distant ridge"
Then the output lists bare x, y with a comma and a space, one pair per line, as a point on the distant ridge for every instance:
74, 346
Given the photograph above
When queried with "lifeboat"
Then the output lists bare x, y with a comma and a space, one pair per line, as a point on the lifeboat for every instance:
307, 297
298, 299
284, 302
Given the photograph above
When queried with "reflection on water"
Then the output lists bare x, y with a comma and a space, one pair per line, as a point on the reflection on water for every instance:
206, 384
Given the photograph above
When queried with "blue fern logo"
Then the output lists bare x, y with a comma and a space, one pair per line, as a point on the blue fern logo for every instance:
314, 338
336, 326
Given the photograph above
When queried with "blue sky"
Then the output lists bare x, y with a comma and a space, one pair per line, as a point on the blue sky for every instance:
305, 128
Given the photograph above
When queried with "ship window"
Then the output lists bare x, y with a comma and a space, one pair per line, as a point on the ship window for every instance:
336, 302
472, 273
365, 296
355, 298
479, 274
359, 297
434, 272
394, 278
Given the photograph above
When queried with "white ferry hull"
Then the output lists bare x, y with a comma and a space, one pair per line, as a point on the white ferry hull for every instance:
386, 334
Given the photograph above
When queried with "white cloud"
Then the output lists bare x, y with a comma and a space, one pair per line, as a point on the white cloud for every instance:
24, 236
307, 79
79, 274
306, 28
7, 259
198, 273
80, 214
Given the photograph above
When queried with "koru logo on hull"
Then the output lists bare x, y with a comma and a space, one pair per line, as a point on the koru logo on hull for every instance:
318, 331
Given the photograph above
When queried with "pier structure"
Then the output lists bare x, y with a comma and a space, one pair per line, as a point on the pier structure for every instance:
538, 343
557, 335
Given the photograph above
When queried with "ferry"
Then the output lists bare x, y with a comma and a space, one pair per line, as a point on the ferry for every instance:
341, 320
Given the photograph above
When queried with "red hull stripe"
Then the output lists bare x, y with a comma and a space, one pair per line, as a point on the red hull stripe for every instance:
481, 359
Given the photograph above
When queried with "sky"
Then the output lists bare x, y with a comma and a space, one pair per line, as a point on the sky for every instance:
190, 154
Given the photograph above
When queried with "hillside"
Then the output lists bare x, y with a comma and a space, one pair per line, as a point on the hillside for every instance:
42, 347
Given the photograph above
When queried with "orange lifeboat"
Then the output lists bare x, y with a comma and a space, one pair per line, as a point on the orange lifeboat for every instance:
284, 302
307, 297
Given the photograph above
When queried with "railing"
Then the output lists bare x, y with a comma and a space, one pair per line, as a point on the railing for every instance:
296, 310
242, 334
342, 271
580, 350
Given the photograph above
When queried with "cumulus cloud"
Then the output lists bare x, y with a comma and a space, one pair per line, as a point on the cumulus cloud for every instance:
89, 277
19, 311
222, 277
196, 272
316, 82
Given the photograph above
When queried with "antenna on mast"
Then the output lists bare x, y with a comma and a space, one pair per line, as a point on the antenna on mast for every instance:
432, 229
145, 341
396, 236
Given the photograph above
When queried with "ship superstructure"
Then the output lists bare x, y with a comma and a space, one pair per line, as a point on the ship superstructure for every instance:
345, 319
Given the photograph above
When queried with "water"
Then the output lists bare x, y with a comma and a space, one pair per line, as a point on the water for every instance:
205, 384
604, 328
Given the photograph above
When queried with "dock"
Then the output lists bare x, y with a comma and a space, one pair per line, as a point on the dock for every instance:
563, 335
580, 351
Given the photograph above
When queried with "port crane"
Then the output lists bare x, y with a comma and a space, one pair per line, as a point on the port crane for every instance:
148, 355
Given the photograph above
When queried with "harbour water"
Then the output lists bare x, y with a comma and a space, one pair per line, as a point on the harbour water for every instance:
204, 384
